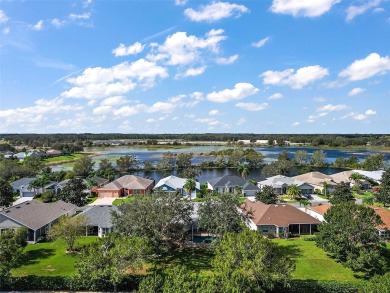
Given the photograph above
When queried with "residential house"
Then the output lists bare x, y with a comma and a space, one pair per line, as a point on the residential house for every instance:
126, 185
317, 179
372, 175
175, 184
95, 180
232, 184
99, 220
282, 183
37, 217
344, 176
280, 219
53, 153
22, 186
383, 229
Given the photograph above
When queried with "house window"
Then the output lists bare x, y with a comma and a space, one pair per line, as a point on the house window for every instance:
136, 191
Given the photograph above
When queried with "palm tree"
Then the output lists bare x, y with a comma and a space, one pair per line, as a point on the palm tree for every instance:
325, 185
190, 185
356, 177
293, 191
243, 169
305, 202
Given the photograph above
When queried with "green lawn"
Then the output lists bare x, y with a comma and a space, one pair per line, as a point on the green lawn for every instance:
50, 259
63, 158
313, 263
119, 201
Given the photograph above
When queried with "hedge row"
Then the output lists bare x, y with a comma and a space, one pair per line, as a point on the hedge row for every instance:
318, 287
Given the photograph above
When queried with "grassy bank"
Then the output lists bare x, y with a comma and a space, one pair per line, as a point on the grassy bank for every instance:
62, 159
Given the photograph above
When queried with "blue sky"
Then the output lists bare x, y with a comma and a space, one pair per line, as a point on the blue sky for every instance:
177, 66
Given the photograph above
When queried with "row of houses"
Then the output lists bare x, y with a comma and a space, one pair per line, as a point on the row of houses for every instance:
32, 153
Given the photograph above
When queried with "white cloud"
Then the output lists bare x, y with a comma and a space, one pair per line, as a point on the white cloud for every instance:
240, 91
213, 112
209, 121
295, 124
181, 49
298, 80
330, 108
228, 60
3, 17
99, 82
130, 110
215, 11
241, 121
6, 30
74, 16
57, 22
87, 3
101, 110
353, 11
261, 43
38, 26
319, 99
181, 2
150, 120
307, 8
134, 49
161, 107
358, 116
114, 101
356, 91
252, 106
312, 118
276, 96
365, 68
192, 72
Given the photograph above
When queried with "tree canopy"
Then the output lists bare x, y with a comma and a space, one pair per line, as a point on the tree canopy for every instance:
342, 193
267, 195
384, 194
74, 192
6, 194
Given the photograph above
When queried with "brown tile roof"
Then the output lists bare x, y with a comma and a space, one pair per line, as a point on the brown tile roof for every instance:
342, 176
280, 215
35, 214
321, 209
316, 178
128, 182
385, 216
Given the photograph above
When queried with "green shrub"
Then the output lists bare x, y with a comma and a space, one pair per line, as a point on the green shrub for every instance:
308, 237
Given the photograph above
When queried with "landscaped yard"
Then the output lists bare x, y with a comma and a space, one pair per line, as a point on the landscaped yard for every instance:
119, 201
314, 263
63, 158
50, 259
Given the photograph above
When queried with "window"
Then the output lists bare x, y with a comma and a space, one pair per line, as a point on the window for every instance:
136, 191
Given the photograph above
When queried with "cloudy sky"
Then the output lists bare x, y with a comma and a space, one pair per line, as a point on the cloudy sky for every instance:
179, 66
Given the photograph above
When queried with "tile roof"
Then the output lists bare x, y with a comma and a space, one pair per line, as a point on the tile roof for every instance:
321, 209
280, 215
232, 181
174, 182
316, 178
385, 216
35, 214
280, 180
128, 182
342, 176
100, 215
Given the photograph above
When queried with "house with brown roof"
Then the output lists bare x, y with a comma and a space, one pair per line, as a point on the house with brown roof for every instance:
37, 217
280, 219
317, 179
344, 176
126, 185
318, 212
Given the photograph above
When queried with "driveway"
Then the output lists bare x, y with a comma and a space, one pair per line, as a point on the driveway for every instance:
104, 201
21, 200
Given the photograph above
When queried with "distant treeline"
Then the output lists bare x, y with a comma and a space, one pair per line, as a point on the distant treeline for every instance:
85, 139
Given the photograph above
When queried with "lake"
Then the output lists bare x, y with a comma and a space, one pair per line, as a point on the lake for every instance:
270, 154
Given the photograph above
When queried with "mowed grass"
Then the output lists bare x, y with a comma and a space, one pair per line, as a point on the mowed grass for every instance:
50, 258
312, 263
119, 201
63, 158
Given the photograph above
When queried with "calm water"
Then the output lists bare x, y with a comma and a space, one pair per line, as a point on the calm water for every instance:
270, 154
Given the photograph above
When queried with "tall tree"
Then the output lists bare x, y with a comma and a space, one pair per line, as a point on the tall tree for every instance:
294, 191
356, 177
384, 194
253, 158
75, 191
301, 157
248, 262
163, 219
349, 234
83, 167
342, 193
111, 258
126, 163
243, 170
318, 158
148, 166
167, 161
190, 185
6, 194
218, 215
279, 167
267, 195
69, 229
374, 162
184, 160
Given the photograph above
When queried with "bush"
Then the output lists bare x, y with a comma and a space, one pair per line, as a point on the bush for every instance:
308, 237
270, 235
317, 191
47, 196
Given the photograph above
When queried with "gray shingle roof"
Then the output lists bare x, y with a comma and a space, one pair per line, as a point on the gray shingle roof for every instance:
232, 181
35, 214
100, 216
21, 182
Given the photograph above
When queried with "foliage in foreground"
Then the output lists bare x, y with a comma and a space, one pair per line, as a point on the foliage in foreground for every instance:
349, 234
